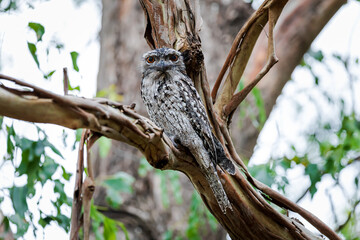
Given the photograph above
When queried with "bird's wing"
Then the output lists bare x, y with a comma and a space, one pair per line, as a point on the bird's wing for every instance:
196, 113
198, 118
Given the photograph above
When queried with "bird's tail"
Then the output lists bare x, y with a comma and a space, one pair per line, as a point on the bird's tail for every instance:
218, 190
221, 158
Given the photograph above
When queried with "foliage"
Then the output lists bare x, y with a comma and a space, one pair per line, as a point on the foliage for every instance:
39, 168
330, 146
200, 221
199, 216
108, 227
116, 184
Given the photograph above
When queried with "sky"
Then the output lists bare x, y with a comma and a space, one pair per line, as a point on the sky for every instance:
77, 27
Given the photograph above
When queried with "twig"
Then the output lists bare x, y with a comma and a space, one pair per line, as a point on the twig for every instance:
83, 191
332, 206
240, 96
88, 191
66, 81
77, 200
302, 195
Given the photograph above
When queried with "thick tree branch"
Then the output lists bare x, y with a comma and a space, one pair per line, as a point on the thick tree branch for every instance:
298, 26
105, 117
248, 205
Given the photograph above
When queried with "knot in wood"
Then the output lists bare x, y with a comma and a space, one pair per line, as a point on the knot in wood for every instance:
193, 56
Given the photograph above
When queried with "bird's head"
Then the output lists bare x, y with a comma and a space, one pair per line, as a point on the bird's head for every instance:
162, 60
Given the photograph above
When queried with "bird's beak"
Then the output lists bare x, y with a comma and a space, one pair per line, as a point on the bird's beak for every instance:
163, 66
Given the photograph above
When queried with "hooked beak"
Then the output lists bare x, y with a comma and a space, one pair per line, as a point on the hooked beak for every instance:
162, 66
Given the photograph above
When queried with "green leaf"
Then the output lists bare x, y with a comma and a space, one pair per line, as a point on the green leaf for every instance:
120, 181
315, 176
21, 224
259, 101
109, 229
122, 226
32, 49
110, 225
263, 173
53, 148
48, 75
74, 56
12, 5
1, 121
44, 221
70, 88
65, 174
104, 146
318, 55
48, 169
39, 30
10, 147
115, 185
18, 196
144, 167
168, 235
195, 218
110, 93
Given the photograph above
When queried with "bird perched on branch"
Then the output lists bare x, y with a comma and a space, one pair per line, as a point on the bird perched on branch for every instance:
174, 105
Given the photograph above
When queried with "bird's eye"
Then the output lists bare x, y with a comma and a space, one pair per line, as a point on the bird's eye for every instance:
150, 59
173, 57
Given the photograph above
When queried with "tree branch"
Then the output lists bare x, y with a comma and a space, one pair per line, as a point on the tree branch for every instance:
105, 117
248, 205
241, 51
298, 26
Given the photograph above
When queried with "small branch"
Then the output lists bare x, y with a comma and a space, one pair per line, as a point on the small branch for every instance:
240, 96
77, 197
83, 191
88, 191
104, 117
286, 203
302, 195
350, 214
66, 81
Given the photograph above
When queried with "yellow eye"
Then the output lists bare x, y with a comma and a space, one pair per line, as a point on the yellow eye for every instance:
173, 57
150, 59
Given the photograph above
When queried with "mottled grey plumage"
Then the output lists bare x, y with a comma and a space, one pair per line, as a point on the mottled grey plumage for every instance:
174, 105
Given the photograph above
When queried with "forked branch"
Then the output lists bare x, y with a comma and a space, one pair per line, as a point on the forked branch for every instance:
239, 54
272, 59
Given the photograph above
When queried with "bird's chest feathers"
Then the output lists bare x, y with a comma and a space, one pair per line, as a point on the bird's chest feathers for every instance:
161, 91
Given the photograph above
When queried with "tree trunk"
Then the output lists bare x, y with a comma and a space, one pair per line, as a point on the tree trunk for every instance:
121, 46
